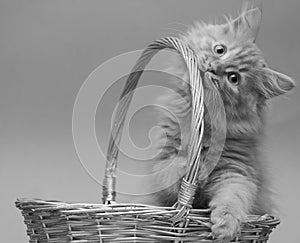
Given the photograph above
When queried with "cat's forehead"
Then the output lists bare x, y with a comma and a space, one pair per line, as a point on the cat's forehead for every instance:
204, 36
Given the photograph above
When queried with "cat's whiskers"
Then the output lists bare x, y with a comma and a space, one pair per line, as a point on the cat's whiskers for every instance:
229, 98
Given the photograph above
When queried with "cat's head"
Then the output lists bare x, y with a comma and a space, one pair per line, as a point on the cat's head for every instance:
234, 65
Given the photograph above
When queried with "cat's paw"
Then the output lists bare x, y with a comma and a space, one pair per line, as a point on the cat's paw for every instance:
225, 225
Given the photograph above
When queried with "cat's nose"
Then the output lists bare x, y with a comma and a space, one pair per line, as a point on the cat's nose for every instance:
214, 67
211, 69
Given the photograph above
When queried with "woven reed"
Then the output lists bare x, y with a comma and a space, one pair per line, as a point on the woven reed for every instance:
52, 221
49, 221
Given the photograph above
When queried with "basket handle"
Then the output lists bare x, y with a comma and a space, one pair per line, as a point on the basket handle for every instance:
189, 183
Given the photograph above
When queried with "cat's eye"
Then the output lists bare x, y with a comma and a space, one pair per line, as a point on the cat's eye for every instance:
220, 49
233, 78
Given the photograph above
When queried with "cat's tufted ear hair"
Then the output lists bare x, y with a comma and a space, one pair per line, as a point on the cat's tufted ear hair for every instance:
248, 23
277, 83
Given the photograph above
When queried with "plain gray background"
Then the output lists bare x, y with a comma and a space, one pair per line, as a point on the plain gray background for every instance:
48, 48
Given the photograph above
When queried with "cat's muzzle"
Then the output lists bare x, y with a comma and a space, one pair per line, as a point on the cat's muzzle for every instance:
212, 78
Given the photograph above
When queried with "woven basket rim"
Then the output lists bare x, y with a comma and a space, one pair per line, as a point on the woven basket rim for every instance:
124, 208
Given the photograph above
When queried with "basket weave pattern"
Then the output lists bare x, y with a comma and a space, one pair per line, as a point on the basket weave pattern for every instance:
49, 221
53, 221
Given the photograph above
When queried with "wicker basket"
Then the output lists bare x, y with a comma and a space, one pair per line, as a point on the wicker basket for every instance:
53, 221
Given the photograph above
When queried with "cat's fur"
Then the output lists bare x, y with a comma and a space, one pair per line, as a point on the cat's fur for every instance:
237, 186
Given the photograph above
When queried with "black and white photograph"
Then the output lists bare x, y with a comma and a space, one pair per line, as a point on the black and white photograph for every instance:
149, 121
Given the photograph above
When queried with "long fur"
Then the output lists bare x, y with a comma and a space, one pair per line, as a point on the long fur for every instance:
238, 185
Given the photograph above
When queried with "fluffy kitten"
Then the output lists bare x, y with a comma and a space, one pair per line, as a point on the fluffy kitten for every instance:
235, 71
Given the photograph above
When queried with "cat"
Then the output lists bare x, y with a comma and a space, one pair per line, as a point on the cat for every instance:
236, 71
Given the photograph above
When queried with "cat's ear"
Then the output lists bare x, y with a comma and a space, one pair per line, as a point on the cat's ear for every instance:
248, 23
277, 83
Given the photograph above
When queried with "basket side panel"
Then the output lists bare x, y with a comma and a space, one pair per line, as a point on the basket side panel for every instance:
46, 226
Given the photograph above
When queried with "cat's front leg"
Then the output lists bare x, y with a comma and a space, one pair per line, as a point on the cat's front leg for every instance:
233, 196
